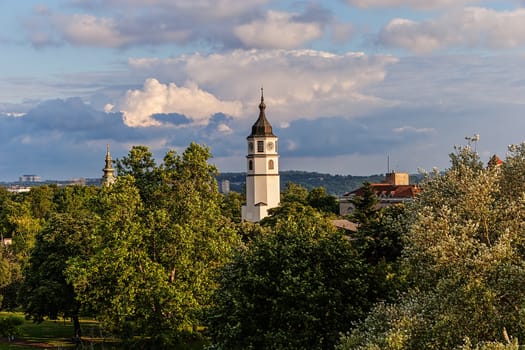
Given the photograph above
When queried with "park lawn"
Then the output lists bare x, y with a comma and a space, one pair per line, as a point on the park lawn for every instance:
57, 334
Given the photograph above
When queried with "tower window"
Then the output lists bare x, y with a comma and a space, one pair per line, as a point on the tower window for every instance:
260, 146
250, 165
270, 164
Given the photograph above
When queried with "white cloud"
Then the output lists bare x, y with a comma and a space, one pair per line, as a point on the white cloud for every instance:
108, 32
418, 4
200, 8
90, 30
297, 83
108, 107
472, 27
224, 129
15, 114
278, 30
127, 23
196, 104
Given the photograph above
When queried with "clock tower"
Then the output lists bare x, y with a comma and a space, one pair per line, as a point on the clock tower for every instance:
262, 174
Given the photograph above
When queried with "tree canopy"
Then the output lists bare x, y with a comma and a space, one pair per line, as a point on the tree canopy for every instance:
296, 286
464, 257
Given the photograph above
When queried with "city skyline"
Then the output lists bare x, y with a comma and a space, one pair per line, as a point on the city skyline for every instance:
348, 84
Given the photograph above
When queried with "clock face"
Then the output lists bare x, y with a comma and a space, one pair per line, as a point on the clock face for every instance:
270, 146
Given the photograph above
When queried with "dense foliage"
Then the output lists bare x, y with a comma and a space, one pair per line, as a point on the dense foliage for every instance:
296, 286
161, 255
162, 238
464, 258
140, 255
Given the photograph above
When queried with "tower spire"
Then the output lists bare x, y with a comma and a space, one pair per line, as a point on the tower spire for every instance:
262, 105
108, 176
262, 126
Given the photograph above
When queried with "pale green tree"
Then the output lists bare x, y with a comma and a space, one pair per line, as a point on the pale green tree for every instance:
464, 256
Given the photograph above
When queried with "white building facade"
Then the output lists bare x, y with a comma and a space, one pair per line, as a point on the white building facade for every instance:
262, 175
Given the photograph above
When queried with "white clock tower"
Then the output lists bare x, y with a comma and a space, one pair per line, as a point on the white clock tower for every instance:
262, 175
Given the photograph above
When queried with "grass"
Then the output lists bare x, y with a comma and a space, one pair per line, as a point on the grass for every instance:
56, 334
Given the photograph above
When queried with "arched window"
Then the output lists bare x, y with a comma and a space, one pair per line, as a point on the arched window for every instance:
270, 164
250, 165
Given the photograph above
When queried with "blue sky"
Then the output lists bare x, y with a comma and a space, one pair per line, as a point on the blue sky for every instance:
347, 83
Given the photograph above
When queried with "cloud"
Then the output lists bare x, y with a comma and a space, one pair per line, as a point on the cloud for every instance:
472, 27
197, 105
278, 30
61, 139
220, 23
142, 23
417, 4
90, 31
224, 129
298, 83
195, 8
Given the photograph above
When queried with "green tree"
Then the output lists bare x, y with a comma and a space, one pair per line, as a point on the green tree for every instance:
464, 260
117, 280
22, 227
45, 291
231, 206
41, 201
140, 164
380, 245
318, 199
155, 268
365, 206
295, 287
294, 193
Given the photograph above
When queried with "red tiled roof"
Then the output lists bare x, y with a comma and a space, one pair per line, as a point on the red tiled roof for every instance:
495, 161
390, 191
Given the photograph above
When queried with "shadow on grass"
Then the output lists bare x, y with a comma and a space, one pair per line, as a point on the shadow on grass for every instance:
56, 335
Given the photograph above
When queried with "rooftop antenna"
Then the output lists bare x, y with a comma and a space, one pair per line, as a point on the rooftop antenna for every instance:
388, 164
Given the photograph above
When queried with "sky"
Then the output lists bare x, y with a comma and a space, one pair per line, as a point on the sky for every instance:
352, 87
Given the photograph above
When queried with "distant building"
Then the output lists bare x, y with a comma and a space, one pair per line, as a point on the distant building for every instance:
395, 189
108, 176
225, 186
495, 161
262, 176
30, 178
18, 189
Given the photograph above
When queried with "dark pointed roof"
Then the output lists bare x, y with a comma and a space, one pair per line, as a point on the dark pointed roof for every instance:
262, 126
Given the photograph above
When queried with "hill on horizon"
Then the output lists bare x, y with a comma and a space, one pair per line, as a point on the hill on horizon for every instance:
336, 185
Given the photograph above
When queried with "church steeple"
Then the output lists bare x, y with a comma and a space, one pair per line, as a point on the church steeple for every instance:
108, 176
